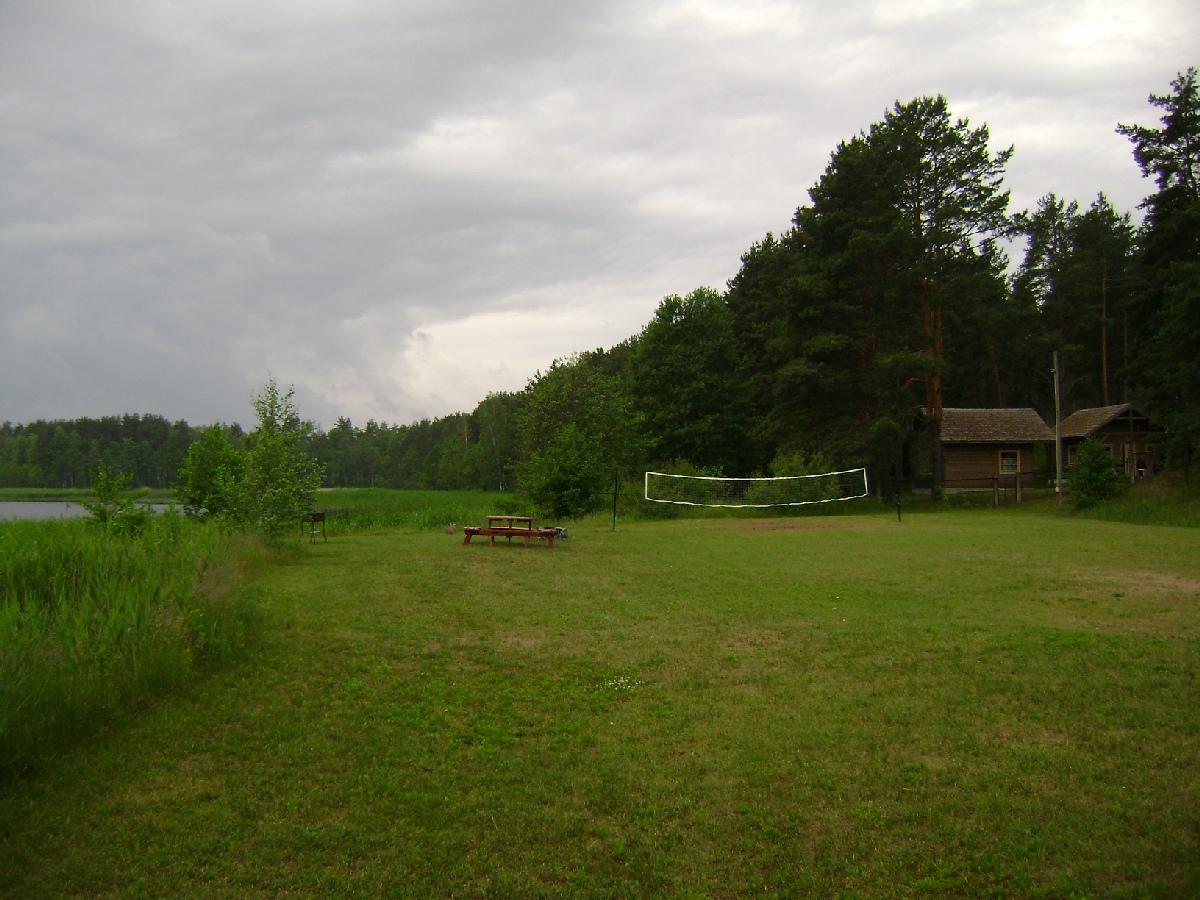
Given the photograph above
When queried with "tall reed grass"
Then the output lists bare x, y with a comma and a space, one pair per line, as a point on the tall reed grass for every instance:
91, 623
370, 509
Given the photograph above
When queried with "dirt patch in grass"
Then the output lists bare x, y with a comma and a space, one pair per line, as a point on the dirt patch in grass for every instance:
933, 762
1136, 602
754, 642
522, 641
1153, 582
1138, 582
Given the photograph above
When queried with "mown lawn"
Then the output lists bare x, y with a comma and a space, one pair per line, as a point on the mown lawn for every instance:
967, 704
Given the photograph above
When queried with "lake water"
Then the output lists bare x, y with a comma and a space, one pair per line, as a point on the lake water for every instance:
13, 510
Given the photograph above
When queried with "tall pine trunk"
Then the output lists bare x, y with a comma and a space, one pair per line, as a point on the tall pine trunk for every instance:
1104, 331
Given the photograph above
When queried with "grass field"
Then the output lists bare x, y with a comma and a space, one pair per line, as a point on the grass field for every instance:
965, 704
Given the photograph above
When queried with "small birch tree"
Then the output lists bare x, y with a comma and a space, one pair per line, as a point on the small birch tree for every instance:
278, 479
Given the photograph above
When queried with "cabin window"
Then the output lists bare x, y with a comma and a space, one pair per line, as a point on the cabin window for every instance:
1072, 455
1009, 462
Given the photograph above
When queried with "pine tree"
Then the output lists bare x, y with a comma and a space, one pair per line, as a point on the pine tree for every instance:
1166, 365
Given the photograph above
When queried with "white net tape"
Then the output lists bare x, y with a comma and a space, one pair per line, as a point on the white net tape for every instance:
739, 493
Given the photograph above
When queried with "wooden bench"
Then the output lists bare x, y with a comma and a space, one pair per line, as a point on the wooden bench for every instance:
509, 527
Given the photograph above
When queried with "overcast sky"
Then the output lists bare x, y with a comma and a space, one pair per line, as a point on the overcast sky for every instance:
401, 206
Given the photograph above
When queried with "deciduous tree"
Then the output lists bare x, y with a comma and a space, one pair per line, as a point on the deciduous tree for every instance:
210, 475
278, 478
572, 416
683, 376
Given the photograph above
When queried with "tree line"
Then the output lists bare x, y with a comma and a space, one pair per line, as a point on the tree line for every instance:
64, 454
837, 343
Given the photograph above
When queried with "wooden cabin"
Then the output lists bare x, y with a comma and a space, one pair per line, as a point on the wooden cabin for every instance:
979, 445
1122, 429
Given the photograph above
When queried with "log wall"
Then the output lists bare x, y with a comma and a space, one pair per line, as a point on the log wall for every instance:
975, 465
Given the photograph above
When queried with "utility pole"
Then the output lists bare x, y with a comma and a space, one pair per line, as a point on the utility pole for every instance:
1132, 457
1058, 481
616, 491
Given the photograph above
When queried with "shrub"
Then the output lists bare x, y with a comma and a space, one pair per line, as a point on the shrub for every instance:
278, 479
1092, 480
568, 477
115, 508
795, 462
210, 474
267, 486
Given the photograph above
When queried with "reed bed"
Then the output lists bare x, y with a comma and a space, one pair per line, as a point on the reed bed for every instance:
383, 509
92, 623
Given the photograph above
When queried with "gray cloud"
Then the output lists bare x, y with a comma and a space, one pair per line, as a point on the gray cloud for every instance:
398, 207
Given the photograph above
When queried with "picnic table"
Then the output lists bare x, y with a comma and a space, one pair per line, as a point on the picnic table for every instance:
509, 527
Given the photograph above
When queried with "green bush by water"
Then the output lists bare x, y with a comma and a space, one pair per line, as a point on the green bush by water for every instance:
92, 622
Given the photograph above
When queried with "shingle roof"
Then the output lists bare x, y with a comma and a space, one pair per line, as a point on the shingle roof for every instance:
1086, 421
990, 426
